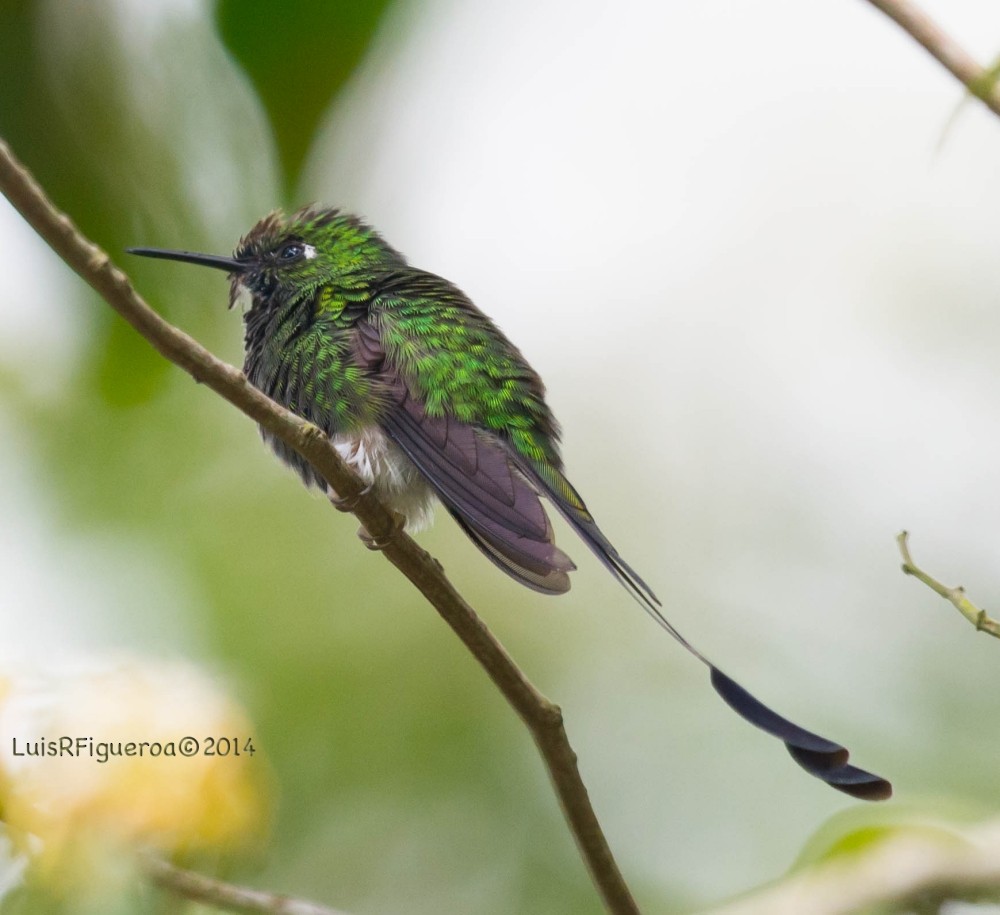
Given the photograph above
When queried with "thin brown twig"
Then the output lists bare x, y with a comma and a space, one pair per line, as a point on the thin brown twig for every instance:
222, 895
978, 617
983, 84
943, 48
543, 718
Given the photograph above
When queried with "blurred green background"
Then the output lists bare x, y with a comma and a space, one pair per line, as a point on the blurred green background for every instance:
765, 307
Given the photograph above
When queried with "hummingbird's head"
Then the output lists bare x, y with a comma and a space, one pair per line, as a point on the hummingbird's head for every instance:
286, 258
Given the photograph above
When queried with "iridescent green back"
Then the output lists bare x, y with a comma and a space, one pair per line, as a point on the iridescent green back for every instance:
457, 361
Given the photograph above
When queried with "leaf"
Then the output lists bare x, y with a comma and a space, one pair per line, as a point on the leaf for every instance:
298, 55
858, 831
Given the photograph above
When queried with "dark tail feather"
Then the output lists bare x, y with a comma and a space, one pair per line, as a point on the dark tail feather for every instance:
817, 755
569, 504
820, 757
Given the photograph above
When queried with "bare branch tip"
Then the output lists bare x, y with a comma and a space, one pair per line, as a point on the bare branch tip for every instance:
903, 542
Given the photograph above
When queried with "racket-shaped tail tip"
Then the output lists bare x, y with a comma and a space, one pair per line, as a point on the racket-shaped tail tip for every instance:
865, 786
820, 757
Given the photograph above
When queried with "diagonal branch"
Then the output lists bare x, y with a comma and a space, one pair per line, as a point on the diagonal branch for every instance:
222, 895
943, 48
542, 717
979, 618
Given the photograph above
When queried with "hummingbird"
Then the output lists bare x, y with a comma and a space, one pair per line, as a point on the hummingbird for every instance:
427, 401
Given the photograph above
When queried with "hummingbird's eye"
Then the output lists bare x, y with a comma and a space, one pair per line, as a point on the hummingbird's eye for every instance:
292, 251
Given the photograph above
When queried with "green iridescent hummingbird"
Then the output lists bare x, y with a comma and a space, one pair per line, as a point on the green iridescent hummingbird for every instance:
425, 398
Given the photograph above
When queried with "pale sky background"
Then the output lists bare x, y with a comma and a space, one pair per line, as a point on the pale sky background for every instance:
763, 294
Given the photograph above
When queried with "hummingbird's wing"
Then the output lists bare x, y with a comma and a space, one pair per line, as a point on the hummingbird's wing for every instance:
469, 412
455, 387
474, 476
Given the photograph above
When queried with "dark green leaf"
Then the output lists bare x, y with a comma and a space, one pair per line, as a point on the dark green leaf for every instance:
298, 55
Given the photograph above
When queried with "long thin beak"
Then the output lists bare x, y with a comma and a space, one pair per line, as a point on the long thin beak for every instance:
229, 264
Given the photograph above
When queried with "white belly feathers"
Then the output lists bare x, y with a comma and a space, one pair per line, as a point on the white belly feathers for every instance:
394, 479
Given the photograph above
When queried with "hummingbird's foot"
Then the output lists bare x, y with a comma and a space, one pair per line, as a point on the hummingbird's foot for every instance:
373, 543
351, 502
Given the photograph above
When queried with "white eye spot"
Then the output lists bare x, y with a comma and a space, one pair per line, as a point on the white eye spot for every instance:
308, 252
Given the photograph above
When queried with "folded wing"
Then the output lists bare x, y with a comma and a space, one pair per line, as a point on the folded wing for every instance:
474, 476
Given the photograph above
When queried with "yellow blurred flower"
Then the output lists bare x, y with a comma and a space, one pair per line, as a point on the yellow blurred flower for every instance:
123, 756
